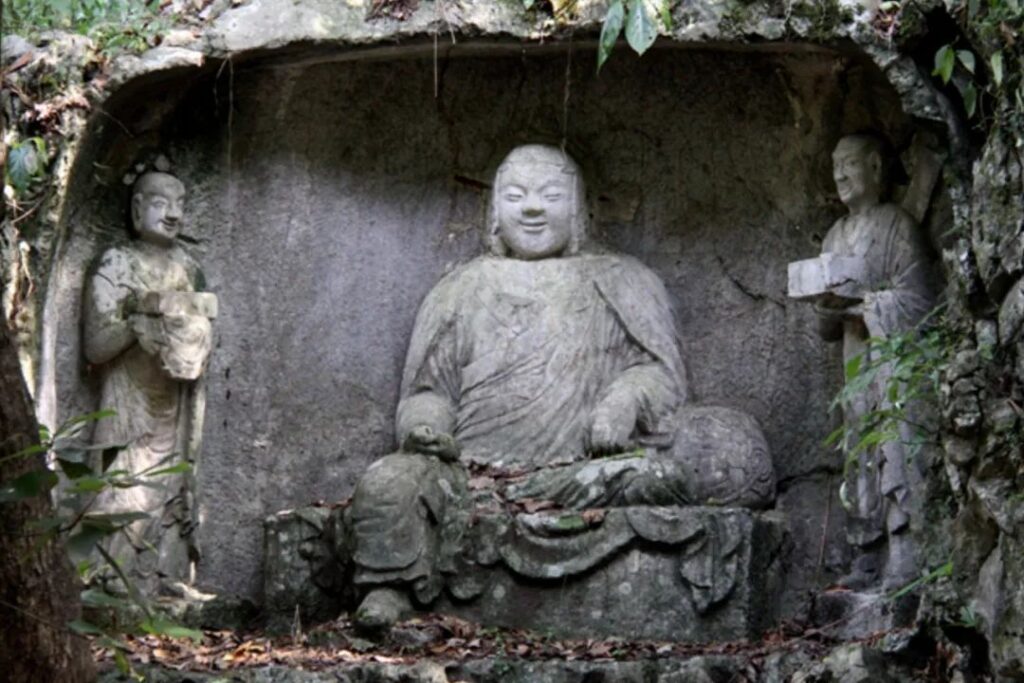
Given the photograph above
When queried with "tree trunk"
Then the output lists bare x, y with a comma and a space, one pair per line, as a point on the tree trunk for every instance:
38, 588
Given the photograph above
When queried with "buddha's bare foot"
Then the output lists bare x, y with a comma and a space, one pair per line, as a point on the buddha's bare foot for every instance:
380, 609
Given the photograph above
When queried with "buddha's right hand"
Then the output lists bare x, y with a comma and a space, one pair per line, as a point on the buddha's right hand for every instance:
424, 439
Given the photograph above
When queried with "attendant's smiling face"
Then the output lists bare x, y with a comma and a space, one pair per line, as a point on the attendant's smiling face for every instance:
158, 204
536, 205
856, 170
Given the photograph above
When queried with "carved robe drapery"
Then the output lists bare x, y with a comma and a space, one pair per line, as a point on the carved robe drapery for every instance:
512, 357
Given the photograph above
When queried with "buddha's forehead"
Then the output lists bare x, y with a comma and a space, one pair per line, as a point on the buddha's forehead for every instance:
851, 148
532, 171
161, 184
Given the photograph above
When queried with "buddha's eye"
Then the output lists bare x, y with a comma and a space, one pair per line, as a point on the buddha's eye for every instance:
513, 196
553, 196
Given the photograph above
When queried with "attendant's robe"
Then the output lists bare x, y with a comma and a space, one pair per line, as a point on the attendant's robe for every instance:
900, 293
158, 419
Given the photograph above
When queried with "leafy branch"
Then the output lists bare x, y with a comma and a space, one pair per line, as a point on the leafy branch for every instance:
82, 474
906, 371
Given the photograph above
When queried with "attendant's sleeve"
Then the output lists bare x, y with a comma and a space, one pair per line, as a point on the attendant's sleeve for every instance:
106, 329
906, 294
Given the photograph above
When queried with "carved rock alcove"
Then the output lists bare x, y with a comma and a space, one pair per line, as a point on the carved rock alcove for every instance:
329, 193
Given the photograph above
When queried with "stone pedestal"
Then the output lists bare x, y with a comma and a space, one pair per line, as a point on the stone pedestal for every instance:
677, 574
684, 574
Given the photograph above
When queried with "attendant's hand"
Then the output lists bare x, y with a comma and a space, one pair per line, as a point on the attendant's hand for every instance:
610, 429
148, 332
424, 439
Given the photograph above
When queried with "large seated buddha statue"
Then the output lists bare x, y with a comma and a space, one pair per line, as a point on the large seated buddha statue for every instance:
546, 370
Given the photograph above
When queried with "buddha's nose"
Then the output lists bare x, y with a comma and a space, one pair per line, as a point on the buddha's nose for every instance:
532, 206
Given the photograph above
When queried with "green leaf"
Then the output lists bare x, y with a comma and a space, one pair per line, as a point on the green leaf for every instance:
85, 628
123, 666
24, 162
937, 573
97, 598
945, 60
641, 30
82, 419
47, 525
82, 542
87, 484
180, 468
996, 62
666, 14
610, 31
966, 57
970, 96
112, 521
34, 449
852, 368
159, 626
28, 485
74, 470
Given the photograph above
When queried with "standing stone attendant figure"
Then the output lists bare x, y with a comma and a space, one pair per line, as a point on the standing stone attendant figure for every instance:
147, 327
872, 281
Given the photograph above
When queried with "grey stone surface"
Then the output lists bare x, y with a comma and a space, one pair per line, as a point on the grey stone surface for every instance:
303, 579
997, 220
302, 217
671, 574
694, 574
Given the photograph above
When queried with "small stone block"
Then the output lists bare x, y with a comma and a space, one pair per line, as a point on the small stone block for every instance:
827, 274
291, 540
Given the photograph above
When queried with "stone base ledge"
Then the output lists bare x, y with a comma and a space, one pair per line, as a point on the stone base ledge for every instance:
694, 574
683, 574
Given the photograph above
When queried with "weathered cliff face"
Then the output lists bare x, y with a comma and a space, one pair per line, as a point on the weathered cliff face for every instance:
982, 404
336, 168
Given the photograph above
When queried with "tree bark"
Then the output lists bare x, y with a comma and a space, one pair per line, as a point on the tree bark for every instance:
38, 588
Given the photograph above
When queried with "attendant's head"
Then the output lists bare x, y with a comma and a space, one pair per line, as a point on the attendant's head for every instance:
858, 168
538, 207
158, 203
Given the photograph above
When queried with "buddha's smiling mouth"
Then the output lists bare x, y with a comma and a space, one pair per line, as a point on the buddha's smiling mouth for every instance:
533, 227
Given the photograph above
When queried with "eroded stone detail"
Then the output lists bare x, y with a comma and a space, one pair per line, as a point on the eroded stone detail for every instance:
147, 327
